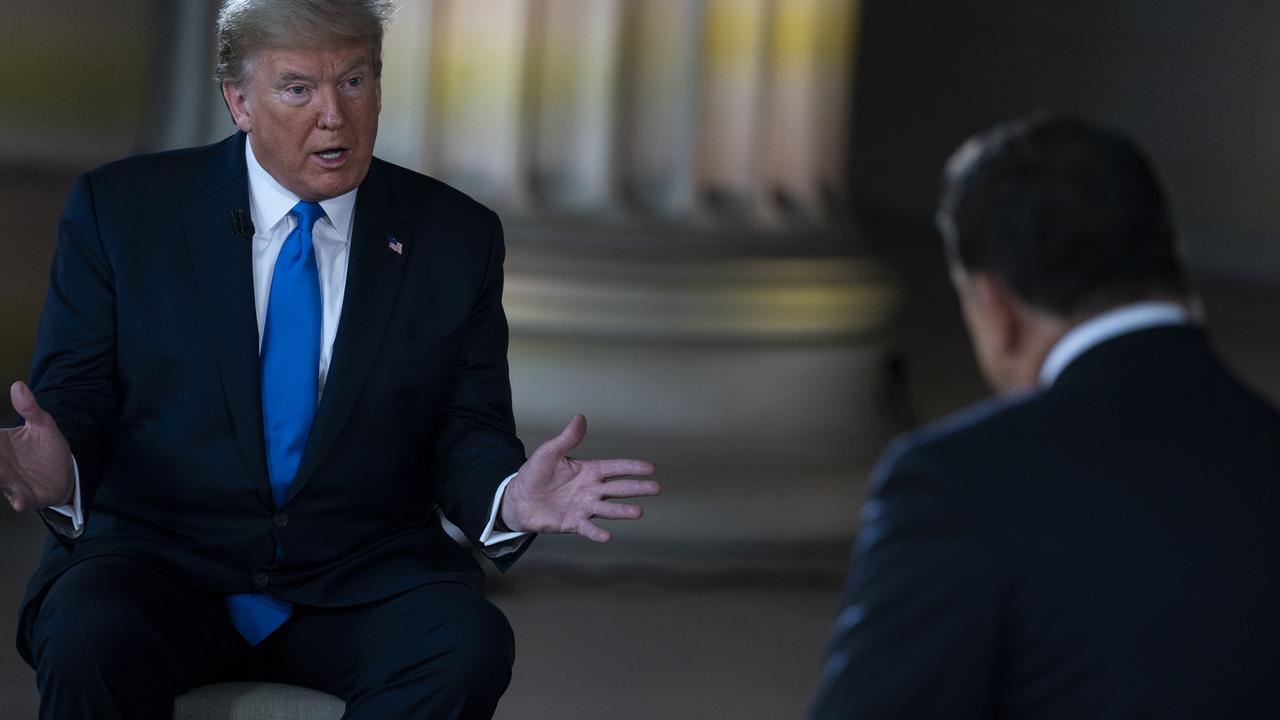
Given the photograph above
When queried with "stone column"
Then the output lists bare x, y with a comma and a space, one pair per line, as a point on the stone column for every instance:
681, 264
681, 267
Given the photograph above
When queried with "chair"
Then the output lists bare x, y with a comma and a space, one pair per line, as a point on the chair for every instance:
256, 701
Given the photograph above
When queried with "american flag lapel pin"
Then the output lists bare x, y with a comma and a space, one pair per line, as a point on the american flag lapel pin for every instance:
395, 245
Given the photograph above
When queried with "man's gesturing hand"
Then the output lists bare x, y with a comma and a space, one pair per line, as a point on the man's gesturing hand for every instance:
35, 461
554, 493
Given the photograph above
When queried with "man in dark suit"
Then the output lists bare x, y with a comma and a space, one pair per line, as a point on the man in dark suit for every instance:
1101, 541
260, 368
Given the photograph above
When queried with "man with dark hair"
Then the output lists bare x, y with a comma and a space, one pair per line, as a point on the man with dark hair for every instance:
1100, 541
261, 367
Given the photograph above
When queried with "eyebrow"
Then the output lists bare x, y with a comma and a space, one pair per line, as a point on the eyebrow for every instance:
291, 77
362, 60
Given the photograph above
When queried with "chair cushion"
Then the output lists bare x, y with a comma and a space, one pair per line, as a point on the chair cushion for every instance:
256, 701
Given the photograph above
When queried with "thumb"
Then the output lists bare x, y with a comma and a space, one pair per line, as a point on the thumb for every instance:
568, 438
24, 401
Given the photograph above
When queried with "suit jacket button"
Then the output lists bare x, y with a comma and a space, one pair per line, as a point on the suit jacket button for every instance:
260, 579
280, 520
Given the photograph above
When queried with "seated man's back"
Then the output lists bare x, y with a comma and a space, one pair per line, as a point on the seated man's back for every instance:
1101, 541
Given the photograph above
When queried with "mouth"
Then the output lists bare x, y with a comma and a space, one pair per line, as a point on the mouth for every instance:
332, 157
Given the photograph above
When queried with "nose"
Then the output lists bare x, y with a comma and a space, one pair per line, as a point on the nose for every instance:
332, 114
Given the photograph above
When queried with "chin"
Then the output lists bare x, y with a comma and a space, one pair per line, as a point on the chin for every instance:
328, 188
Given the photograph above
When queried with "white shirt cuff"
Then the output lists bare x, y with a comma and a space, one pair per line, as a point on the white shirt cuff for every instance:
489, 538
75, 511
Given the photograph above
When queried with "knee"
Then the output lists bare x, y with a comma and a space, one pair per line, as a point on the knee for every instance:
87, 660
73, 632
460, 657
89, 624
485, 649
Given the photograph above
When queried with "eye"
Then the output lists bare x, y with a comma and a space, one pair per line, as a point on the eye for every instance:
355, 82
295, 90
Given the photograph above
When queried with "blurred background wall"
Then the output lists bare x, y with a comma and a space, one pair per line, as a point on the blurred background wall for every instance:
1191, 80
718, 219
682, 263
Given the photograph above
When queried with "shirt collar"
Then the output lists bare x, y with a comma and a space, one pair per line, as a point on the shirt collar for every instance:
272, 201
1110, 324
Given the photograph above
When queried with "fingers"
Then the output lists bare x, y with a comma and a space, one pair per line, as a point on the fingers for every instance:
630, 488
24, 402
15, 498
17, 502
591, 531
568, 439
620, 467
617, 511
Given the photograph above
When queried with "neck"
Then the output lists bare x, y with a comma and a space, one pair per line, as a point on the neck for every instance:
1099, 327
1041, 332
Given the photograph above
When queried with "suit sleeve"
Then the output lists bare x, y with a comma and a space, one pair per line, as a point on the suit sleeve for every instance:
477, 448
73, 370
918, 633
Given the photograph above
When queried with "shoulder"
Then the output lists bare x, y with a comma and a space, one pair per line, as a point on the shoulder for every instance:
138, 186
423, 193
167, 166
974, 431
965, 462
935, 481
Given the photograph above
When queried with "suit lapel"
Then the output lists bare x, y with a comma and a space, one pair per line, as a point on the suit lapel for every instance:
223, 263
374, 271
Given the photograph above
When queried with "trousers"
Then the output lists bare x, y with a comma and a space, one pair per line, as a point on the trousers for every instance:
115, 638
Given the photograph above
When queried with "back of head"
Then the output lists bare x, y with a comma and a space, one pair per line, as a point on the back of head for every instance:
1067, 214
246, 27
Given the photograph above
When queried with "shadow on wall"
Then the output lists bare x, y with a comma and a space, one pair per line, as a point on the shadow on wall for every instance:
74, 97
1191, 80
77, 77
30, 203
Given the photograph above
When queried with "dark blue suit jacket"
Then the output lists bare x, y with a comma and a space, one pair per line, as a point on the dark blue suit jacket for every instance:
147, 356
1106, 548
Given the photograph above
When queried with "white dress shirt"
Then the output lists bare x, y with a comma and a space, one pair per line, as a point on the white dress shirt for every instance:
269, 206
1113, 323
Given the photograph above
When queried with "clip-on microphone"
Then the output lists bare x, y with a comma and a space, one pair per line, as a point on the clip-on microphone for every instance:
241, 224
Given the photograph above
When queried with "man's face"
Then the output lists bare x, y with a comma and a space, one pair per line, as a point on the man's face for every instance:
312, 117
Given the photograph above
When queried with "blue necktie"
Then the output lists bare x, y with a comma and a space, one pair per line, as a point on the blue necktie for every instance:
290, 377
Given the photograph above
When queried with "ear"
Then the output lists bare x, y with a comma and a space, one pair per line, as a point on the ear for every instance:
1000, 310
238, 105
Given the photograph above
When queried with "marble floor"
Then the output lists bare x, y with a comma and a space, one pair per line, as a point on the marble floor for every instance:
630, 641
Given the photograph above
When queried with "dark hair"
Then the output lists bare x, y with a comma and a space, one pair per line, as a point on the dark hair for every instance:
1068, 214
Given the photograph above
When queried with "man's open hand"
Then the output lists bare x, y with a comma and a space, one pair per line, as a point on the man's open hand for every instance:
35, 460
554, 493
